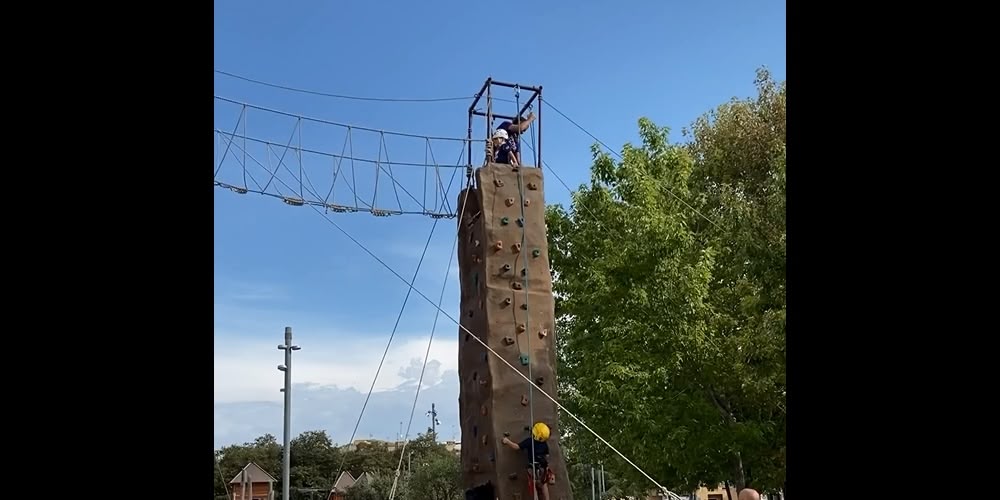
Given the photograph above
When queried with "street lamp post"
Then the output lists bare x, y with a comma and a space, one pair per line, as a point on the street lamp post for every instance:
287, 368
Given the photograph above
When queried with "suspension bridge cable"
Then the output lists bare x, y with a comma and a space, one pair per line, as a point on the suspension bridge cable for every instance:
427, 354
342, 96
388, 344
339, 124
527, 315
394, 328
491, 351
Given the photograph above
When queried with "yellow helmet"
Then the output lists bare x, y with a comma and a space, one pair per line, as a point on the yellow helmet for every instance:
540, 432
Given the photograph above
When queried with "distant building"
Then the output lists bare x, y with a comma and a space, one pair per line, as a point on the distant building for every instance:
454, 447
345, 482
252, 483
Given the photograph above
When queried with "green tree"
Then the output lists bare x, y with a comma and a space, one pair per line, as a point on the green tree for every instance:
376, 488
314, 460
374, 458
437, 476
264, 451
671, 339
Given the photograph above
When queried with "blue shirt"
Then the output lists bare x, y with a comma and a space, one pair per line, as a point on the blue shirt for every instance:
503, 153
511, 137
541, 452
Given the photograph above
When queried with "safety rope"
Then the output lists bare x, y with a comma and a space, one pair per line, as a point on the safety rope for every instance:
427, 354
524, 282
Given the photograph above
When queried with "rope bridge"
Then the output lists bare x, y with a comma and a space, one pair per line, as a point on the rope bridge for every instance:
343, 168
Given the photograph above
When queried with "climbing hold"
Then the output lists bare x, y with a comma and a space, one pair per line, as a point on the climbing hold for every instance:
498, 182
536, 252
539, 381
524, 271
512, 476
508, 341
516, 247
482, 381
475, 375
509, 202
477, 259
470, 313
521, 328
527, 202
493, 458
507, 301
524, 361
483, 410
475, 468
498, 245
524, 306
504, 221
542, 333
524, 400
520, 222
476, 243
484, 440
516, 285
532, 186
505, 268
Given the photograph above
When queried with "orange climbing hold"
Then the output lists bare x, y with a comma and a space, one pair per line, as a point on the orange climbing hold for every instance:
498, 245
509, 202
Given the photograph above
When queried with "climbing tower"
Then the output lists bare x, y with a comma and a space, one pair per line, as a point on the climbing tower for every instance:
506, 303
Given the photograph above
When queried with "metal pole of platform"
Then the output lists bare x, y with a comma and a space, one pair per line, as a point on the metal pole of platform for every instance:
538, 147
286, 461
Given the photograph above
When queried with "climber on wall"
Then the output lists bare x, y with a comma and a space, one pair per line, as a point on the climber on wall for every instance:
514, 131
540, 476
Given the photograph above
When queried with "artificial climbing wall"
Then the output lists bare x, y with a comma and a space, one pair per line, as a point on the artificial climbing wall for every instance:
507, 302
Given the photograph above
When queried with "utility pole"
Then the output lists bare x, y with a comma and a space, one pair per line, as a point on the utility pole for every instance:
287, 368
593, 485
434, 421
602, 480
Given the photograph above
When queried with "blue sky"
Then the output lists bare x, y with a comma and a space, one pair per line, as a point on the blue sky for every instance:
278, 265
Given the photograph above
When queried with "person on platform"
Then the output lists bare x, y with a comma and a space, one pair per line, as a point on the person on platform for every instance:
514, 131
501, 148
540, 476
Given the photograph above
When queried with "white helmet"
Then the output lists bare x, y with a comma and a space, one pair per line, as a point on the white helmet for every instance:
501, 134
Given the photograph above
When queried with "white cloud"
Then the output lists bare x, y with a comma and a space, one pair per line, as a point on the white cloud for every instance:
331, 374
246, 369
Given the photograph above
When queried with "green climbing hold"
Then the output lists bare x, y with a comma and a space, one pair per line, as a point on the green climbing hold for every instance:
504, 221
536, 252
524, 360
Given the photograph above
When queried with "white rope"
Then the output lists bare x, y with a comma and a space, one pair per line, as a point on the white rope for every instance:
488, 348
